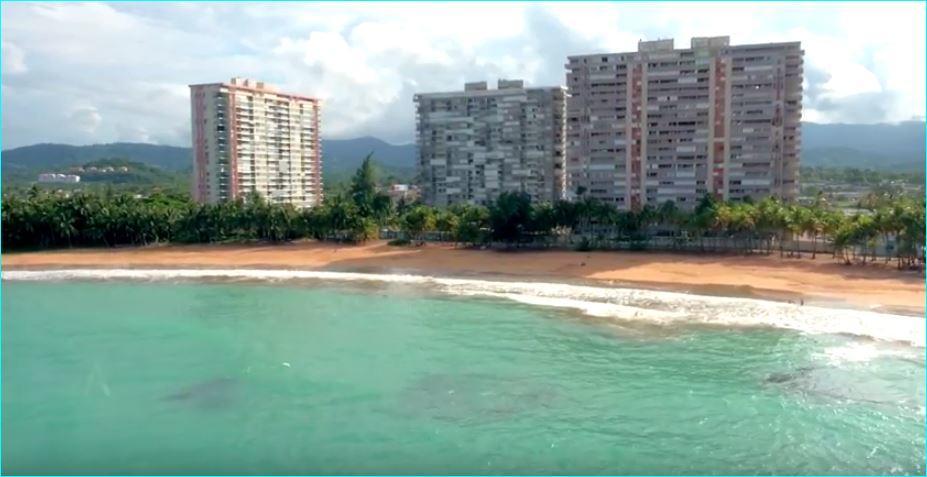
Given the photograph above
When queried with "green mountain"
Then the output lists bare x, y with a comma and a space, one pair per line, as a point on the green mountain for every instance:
866, 146
338, 155
842, 157
171, 166
347, 155
49, 156
120, 174
122, 171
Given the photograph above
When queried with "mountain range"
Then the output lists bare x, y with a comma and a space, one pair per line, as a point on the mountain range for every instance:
339, 155
898, 147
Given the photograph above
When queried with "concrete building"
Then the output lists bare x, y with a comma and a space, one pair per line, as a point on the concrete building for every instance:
664, 124
408, 193
477, 143
55, 178
250, 138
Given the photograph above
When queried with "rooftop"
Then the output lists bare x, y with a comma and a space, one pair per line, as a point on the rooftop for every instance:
695, 43
255, 86
503, 86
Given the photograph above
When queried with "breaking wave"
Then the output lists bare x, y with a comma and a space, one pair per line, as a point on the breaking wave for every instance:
658, 307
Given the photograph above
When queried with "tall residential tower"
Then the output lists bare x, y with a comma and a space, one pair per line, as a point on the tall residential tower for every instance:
250, 138
477, 143
664, 124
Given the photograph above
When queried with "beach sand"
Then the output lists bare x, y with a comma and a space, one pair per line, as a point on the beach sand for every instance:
823, 281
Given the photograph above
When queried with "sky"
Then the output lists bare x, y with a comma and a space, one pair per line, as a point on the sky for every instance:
84, 73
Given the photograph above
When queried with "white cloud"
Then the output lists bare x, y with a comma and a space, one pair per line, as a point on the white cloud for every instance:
86, 119
133, 61
14, 59
129, 133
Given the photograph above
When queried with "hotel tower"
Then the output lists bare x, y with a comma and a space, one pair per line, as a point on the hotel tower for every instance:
477, 143
250, 138
663, 123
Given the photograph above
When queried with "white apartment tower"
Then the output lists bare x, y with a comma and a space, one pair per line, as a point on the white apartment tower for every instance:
664, 124
477, 143
250, 138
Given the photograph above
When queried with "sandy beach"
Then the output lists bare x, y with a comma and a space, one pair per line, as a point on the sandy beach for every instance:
821, 281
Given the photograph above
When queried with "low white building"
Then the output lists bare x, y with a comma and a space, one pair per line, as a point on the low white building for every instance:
54, 178
406, 192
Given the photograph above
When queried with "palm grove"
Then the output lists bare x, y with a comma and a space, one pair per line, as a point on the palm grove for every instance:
360, 212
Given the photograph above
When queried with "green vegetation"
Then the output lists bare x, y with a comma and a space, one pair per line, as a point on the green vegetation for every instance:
133, 177
861, 177
858, 188
337, 181
43, 219
354, 214
115, 174
49, 157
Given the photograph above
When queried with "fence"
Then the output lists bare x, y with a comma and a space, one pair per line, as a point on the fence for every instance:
659, 240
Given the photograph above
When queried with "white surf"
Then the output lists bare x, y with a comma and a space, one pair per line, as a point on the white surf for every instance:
659, 307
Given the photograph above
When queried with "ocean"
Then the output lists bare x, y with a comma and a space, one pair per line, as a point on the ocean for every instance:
283, 372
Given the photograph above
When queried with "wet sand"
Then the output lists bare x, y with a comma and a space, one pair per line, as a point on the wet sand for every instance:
821, 281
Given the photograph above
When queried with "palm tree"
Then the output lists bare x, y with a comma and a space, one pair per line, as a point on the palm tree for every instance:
510, 216
742, 225
703, 219
417, 221
911, 233
473, 226
446, 221
542, 221
796, 219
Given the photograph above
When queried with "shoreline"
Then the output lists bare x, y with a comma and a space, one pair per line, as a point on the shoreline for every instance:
820, 282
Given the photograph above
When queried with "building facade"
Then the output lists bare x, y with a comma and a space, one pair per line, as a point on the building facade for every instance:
250, 138
480, 142
664, 124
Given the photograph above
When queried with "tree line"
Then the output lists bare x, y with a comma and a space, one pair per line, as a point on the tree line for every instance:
41, 219
856, 176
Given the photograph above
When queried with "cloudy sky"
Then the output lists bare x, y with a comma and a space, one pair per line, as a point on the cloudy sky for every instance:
84, 73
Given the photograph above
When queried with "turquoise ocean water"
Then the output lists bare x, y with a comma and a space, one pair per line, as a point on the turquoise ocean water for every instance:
315, 376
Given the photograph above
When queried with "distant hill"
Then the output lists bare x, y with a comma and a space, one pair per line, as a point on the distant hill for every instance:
101, 174
874, 146
121, 171
50, 156
338, 155
347, 154
877, 146
839, 157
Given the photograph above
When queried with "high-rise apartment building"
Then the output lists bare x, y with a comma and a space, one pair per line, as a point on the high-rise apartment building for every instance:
664, 124
250, 138
480, 142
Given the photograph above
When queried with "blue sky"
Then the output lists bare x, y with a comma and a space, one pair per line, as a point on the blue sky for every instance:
86, 73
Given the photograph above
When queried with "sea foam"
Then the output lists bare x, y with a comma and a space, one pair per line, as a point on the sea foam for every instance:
658, 307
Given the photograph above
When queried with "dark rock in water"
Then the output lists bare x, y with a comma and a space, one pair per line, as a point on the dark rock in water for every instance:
834, 383
778, 378
210, 394
468, 397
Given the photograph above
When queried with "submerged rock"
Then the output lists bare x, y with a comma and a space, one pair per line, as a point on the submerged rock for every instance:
469, 396
798, 373
211, 394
